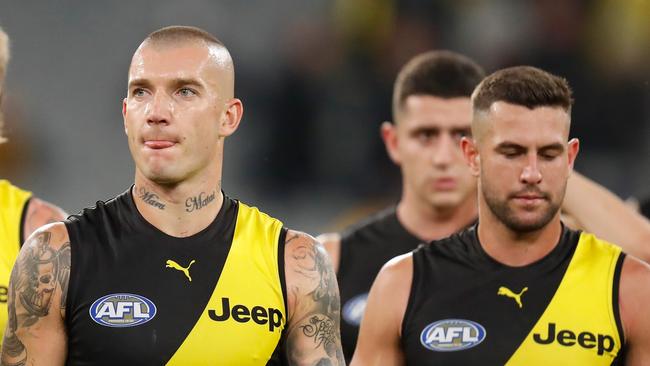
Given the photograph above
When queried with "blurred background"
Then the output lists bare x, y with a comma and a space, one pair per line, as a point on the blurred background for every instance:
316, 80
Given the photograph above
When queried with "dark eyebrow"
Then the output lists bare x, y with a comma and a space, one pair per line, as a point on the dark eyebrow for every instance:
466, 130
177, 82
139, 83
509, 145
556, 146
421, 129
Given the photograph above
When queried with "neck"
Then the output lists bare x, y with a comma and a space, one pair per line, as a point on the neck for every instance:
513, 248
428, 222
179, 210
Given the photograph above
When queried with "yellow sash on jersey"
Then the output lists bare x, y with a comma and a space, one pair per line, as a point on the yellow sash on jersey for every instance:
578, 327
12, 203
250, 281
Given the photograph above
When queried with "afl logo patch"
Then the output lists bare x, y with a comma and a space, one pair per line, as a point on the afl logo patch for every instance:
122, 310
450, 335
353, 309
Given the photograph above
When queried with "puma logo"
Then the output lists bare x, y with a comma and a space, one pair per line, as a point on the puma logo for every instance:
174, 265
504, 291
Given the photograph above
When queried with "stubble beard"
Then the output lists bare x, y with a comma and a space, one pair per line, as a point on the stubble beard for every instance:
508, 215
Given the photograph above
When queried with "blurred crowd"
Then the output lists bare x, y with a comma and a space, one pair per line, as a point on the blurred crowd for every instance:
318, 86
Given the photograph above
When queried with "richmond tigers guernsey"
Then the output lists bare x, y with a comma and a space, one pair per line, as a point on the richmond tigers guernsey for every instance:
365, 248
139, 296
467, 309
13, 204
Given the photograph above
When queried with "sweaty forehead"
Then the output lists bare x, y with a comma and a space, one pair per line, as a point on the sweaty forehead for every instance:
180, 57
513, 122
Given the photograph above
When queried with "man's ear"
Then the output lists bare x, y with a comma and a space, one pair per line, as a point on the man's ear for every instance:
471, 155
126, 131
231, 118
574, 147
389, 135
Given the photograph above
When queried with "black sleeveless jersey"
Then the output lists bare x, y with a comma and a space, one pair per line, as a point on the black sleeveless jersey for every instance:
465, 308
365, 248
137, 296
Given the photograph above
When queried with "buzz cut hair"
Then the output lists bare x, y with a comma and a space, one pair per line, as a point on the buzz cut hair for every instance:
439, 73
525, 86
181, 33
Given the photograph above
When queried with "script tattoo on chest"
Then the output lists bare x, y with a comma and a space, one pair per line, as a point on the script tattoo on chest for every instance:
151, 199
198, 202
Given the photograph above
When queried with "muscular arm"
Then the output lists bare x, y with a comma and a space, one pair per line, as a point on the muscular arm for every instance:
634, 297
380, 333
332, 244
313, 334
40, 213
597, 210
35, 333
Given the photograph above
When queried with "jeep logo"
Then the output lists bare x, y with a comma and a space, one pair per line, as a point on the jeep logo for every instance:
602, 342
242, 314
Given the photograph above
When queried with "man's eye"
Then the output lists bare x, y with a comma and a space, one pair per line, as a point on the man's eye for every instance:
510, 154
138, 92
549, 156
186, 92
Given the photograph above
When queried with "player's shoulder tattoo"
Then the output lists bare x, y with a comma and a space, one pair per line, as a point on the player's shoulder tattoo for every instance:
313, 334
40, 276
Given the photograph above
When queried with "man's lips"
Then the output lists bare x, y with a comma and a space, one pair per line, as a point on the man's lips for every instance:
159, 144
444, 184
529, 198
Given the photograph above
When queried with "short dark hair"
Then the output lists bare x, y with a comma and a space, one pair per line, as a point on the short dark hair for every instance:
523, 85
441, 73
178, 33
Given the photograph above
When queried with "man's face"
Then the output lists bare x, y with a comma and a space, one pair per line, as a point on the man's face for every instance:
426, 147
525, 161
176, 100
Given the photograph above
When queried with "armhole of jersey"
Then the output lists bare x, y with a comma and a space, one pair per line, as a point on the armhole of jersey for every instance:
409, 304
615, 304
72, 278
343, 254
282, 238
279, 357
21, 227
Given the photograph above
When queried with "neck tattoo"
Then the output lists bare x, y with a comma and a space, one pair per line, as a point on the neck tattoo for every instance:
198, 202
151, 199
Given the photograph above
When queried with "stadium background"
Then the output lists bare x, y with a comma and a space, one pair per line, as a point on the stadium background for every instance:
315, 78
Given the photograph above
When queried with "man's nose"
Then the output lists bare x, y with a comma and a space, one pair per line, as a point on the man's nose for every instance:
160, 109
531, 173
445, 149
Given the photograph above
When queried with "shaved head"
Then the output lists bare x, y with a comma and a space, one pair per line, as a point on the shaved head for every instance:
184, 36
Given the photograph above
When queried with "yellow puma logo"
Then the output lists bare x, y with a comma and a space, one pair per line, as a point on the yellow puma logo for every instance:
504, 291
174, 265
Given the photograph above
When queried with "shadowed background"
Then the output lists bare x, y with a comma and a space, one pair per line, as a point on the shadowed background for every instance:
316, 80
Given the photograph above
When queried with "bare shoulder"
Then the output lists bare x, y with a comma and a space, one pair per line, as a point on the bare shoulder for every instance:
43, 267
332, 244
39, 213
37, 298
397, 272
634, 296
313, 327
393, 286
634, 291
381, 327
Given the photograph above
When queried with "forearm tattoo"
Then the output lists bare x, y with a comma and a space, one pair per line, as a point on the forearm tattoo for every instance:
200, 201
36, 276
322, 322
150, 198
